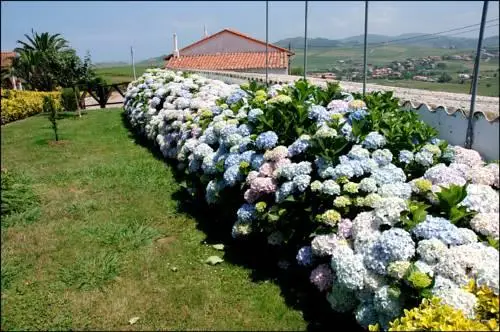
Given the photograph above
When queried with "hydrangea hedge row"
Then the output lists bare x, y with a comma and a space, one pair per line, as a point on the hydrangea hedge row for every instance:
382, 212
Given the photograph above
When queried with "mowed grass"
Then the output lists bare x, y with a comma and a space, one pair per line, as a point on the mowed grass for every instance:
108, 242
120, 74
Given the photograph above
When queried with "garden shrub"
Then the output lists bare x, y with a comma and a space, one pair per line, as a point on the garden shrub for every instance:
16, 105
358, 191
69, 102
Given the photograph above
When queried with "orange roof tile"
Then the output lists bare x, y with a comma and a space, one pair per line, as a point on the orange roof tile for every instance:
229, 61
7, 58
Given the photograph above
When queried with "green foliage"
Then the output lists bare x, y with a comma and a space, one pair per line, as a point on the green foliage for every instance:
445, 78
403, 129
297, 71
69, 101
50, 108
449, 198
416, 214
19, 204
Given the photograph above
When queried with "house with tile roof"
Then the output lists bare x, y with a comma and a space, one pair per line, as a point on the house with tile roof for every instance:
230, 50
6, 61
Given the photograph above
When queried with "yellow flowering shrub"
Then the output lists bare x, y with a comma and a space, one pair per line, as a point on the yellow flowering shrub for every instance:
487, 308
432, 315
16, 105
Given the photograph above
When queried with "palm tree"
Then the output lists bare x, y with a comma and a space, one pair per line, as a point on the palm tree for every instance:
43, 42
38, 57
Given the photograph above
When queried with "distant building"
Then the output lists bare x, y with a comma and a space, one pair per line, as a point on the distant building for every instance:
6, 61
230, 50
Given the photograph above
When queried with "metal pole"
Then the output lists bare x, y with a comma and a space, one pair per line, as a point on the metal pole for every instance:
267, 43
133, 62
365, 69
469, 137
305, 43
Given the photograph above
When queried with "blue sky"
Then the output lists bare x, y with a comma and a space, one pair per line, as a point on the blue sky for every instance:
107, 29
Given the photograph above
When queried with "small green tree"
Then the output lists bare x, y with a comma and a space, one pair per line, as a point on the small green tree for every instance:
444, 78
49, 106
441, 65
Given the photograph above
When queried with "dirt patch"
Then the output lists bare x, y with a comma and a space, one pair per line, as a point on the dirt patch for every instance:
56, 143
163, 244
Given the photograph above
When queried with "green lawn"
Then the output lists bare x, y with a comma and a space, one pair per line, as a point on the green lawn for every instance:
121, 73
108, 241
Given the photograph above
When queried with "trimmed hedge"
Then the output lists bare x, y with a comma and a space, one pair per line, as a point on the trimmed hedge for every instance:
17, 105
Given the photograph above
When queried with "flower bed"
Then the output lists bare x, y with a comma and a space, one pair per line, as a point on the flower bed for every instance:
382, 212
17, 105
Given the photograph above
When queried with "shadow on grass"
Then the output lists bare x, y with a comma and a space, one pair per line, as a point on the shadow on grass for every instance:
254, 253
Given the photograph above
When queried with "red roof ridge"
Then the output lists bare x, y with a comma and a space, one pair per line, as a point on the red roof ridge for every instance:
238, 34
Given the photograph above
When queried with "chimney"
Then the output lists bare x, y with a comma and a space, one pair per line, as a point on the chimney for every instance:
176, 50
205, 33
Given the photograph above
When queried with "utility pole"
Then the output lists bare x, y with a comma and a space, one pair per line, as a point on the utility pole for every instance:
365, 70
289, 58
133, 62
305, 43
267, 42
470, 131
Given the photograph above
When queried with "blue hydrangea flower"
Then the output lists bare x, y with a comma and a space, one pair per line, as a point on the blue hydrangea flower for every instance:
266, 140
236, 97
424, 158
405, 156
357, 115
244, 130
382, 157
247, 156
302, 182
305, 256
298, 147
358, 153
374, 140
357, 167
246, 213
441, 229
318, 113
392, 245
232, 159
343, 170
368, 185
330, 187
232, 175
208, 166
285, 190
254, 114
388, 174
257, 161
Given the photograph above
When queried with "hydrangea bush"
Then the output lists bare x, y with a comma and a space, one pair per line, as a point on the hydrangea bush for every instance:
362, 193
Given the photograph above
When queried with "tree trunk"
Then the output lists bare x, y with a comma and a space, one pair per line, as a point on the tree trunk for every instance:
77, 103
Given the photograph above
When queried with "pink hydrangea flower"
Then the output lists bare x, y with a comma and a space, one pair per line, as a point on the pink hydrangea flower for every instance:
322, 277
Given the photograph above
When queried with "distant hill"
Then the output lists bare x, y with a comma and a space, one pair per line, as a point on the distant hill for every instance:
417, 39
156, 61
110, 64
